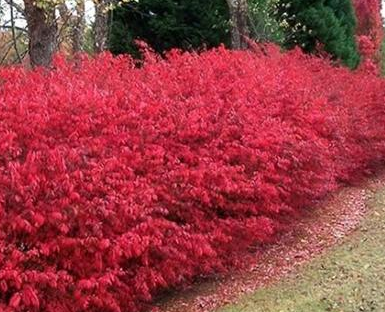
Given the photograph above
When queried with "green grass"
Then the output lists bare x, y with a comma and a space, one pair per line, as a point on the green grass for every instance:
349, 278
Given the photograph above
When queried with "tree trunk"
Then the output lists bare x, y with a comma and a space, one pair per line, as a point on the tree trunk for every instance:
101, 26
42, 31
239, 23
78, 27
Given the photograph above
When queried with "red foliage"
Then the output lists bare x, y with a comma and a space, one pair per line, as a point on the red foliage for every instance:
118, 182
370, 25
368, 56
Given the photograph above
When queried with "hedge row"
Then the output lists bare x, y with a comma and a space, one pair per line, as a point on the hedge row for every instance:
117, 182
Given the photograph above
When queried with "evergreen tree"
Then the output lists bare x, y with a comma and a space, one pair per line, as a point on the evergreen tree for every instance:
166, 24
328, 22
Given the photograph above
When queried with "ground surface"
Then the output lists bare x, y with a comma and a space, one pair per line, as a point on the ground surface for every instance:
332, 260
349, 278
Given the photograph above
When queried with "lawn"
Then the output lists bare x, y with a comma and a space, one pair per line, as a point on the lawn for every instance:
349, 278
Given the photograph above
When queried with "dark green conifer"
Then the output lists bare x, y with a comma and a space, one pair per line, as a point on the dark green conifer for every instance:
328, 22
166, 24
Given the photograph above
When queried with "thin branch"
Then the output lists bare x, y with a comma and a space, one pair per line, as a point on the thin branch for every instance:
5, 55
63, 11
13, 31
9, 42
22, 55
15, 27
8, 49
18, 7
64, 24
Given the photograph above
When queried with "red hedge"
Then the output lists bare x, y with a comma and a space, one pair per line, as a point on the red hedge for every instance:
370, 31
118, 182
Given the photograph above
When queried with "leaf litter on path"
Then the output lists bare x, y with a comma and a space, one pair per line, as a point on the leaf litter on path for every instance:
318, 229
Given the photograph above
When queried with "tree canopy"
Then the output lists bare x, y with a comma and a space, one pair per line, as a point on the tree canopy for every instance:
166, 24
331, 23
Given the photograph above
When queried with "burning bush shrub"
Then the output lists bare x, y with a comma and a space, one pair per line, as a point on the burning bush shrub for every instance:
117, 182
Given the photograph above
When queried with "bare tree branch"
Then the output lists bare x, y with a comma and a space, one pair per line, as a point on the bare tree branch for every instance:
78, 27
65, 16
15, 27
18, 7
22, 55
13, 31
63, 11
10, 42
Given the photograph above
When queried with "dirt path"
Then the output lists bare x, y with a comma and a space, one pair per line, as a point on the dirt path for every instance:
320, 229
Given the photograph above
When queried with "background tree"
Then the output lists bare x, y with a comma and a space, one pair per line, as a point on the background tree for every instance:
46, 26
239, 23
166, 24
78, 27
263, 25
370, 24
188, 24
330, 23
12, 37
72, 25
42, 31
101, 25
